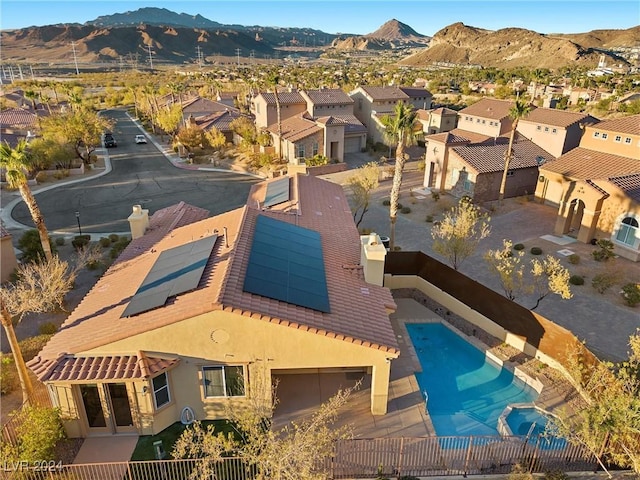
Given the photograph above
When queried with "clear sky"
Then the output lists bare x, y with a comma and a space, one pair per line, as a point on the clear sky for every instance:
349, 16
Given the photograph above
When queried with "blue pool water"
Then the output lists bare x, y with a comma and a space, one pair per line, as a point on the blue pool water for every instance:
530, 421
466, 391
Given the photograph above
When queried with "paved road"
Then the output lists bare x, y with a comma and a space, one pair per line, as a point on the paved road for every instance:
141, 175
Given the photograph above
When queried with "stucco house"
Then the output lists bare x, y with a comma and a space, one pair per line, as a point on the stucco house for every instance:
596, 186
557, 131
437, 120
488, 116
371, 103
8, 260
198, 312
264, 107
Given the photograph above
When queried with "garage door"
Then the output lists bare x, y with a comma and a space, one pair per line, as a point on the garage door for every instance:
352, 144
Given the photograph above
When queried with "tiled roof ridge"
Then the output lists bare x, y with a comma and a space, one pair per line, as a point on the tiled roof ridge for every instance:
233, 258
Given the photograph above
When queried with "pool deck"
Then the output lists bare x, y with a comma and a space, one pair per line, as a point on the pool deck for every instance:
301, 395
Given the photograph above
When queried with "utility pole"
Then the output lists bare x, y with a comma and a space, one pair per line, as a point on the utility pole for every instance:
199, 50
31, 68
238, 55
150, 57
20, 70
75, 58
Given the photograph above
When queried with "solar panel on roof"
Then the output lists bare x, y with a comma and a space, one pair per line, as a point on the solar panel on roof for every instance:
277, 192
176, 271
286, 263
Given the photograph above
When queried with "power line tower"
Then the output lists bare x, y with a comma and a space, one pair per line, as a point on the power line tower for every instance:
150, 57
238, 55
75, 58
200, 58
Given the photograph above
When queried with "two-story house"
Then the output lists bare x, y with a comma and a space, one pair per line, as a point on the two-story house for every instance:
264, 107
596, 186
488, 116
557, 131
437, 120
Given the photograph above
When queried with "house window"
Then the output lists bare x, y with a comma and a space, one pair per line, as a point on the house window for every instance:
511, 173
627, 140
539, 128
555, 130
618, 139
161, 390
604, 136
477, 120
314, 149
484, 122
546, 129
596, 134
300, 149
223, 381
628, 231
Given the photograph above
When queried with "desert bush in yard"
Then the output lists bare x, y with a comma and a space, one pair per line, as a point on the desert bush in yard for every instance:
518, 246
573, 259
42, 177
604, 252
114, 237
576, 280
60, 241
631, 294
31, 247
429, 218
604, 281
105, 242
118, 247
386, 202
405, 210
80, 241
38, 434
47, 328
536, 251
8, 375
555, 475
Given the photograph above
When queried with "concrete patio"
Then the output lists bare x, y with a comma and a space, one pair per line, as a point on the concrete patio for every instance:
106, 449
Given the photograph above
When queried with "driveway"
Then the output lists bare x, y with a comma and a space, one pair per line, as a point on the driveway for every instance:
141, 175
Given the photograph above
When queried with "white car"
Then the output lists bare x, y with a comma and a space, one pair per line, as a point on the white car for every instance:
141, 139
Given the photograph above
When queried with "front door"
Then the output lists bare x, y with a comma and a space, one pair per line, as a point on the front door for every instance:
107, 408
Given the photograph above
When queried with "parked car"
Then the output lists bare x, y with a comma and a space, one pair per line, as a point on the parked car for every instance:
141, 139
109, 141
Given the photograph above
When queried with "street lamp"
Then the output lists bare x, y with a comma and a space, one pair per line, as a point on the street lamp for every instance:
78, 219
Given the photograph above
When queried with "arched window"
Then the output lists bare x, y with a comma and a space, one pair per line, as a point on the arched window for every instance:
628, 230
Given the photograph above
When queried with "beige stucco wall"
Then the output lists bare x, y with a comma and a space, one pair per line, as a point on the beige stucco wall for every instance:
482, 125
322, 110
334, 133
268, 114
258, 345
609, 145
556, 143
8, 261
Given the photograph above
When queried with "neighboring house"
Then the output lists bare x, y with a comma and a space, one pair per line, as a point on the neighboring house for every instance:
200, 313
437, 120
219, 120
231, 99
576, 94
264, 107
557, 131
200, 107
18, 123
8, 260
371, 103
488, 116
596, 186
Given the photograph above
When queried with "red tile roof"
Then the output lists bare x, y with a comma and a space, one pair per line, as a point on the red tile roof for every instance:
296, 128
284, 98
18, 117
558, 118
220, 120
351, 123
358, 310
629, 184
489, 108
69, 368
584, 164
490, 158
384, 93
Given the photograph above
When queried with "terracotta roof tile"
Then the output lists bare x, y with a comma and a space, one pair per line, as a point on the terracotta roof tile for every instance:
220, 120
415, 92
284, 98
490, 158
18, 117
584, 164
489, 108
558, 118
328, 96
384, 93
296, 128
629, 125
629, 184
351, 123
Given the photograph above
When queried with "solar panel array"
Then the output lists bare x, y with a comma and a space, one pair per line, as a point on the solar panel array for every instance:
277, 192
176, 271
286, 263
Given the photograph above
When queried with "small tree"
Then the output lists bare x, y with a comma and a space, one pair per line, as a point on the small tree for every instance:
290, 453
459, 233
215, 138
362, 183
245, 128
508, 266
191, 137
608, 421
549, 276
169, 119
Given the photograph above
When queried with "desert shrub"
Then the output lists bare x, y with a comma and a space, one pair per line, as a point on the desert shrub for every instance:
80, 241
435, 196
576, 280
60, 174
386, 202
405, 210
400, 206
31, 346
429, 218
555, 475
631, 294
8, 375
518, 246
94, 264
42, 177
574, 259
29, 244
105, 242
114, 237
118, 247
316, 161
47, 328
603, 281
39, 433
60, 241
604, 252
536, 251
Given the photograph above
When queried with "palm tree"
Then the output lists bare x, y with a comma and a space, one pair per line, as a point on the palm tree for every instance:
31, 95
16, 162
274, 80
537, 75
520, 109
399, 127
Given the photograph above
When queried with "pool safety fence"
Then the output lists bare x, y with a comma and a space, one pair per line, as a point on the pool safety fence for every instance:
355, 458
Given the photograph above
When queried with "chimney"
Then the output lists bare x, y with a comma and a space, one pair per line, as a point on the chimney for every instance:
372, 253
138, 221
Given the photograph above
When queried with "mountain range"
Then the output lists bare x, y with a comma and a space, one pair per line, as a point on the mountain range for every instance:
180, 38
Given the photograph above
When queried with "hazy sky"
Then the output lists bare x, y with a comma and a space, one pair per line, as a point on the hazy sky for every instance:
349, 16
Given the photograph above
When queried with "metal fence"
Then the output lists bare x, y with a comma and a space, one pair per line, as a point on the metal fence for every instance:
40, 397
357, 458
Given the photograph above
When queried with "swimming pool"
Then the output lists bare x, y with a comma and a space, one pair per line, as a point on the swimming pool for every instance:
466, 391
530, 421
